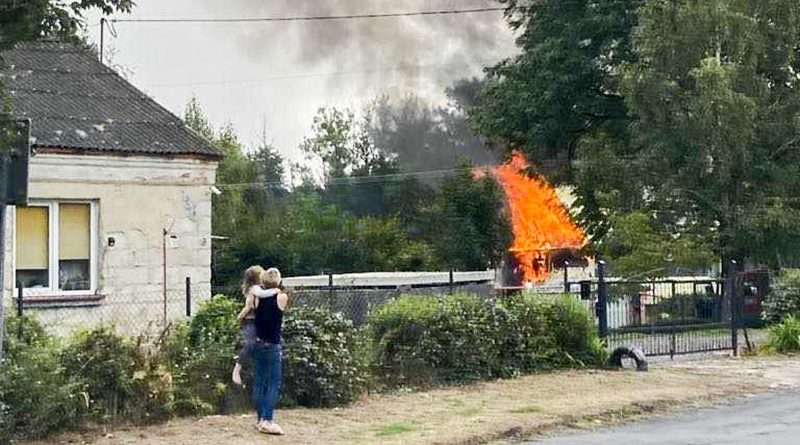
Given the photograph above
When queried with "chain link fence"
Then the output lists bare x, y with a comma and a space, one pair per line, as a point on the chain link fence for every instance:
356, 303
150, 313
147, 313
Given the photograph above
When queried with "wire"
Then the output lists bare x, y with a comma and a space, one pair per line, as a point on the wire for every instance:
315, 18
361, 179
447, 66
374, 179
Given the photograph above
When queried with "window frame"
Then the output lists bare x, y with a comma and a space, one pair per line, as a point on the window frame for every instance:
53, 207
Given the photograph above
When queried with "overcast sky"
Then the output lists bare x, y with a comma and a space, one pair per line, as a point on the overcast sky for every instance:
274, 76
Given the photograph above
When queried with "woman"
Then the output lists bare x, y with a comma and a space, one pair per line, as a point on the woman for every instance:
251, 289
266, 353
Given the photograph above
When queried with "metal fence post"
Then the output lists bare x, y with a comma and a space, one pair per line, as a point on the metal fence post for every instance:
330, 290
19, 311
566, 279
734, 299
602, 299
188, 296
451, 284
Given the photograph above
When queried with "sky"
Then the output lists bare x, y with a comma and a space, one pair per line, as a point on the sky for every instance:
269, 79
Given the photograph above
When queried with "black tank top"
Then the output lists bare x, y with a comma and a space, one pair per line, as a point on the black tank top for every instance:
269, 320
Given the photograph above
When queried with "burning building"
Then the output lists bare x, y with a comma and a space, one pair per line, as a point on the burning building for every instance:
545, 236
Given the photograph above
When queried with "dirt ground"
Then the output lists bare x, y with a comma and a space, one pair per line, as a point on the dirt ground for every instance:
496, 411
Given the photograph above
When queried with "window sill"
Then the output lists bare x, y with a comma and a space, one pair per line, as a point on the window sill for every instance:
60, 301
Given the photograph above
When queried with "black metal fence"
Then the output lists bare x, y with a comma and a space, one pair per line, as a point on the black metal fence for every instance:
664, 317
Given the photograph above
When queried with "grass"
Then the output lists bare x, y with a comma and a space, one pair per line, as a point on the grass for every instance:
468, 412
520, 407
530, 409
395, 428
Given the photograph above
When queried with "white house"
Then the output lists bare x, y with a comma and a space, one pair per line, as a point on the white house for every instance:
120, 197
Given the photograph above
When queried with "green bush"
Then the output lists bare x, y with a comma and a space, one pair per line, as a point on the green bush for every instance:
422, 340
200, 357
120, 380
463, 338
36, 397
322, 365
785, 337
784, 300
570, 328
399, 331
551, 332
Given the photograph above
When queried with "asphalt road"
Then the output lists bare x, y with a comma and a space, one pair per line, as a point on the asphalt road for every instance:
758, 420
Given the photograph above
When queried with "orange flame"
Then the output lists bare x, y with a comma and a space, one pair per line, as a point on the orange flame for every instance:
539, 219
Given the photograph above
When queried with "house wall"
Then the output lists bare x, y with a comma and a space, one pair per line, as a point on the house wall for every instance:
137, 199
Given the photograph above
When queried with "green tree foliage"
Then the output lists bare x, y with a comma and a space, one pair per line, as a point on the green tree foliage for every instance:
564, 84
33, 19
639, 246
683, 108
471, 230
422, 137
365, 214
716, 129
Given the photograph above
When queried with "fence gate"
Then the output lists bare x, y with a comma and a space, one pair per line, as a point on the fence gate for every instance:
667, 317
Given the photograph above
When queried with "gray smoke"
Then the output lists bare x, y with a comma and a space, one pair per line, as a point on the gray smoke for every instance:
420, 54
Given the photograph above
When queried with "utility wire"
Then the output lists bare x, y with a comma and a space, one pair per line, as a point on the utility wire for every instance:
377, 179
390, 177
431, 67
314, 18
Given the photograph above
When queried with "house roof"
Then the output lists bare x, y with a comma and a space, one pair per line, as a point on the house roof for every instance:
77, 104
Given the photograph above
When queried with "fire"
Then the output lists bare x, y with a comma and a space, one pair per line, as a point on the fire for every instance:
539, 219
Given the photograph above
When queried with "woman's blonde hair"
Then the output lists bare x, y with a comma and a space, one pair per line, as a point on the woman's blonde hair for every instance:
271, 277
251, 277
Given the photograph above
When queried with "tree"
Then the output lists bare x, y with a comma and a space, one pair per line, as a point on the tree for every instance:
639, 246
716, 100
469, 230
422, 137
682, 108
33, 19
236, 210
353, 166
564, 84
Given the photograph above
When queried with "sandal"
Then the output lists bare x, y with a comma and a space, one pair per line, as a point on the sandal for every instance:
271, 428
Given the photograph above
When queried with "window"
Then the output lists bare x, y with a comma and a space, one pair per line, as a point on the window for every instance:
55, 252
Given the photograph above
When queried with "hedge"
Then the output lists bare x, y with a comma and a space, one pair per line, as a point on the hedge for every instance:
98, 375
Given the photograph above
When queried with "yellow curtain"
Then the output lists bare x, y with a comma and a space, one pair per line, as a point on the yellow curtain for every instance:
32, 238
73, 231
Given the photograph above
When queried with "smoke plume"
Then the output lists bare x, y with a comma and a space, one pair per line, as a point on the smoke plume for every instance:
423, 54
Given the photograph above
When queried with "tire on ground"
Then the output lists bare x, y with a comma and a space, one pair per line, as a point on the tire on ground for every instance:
633, 353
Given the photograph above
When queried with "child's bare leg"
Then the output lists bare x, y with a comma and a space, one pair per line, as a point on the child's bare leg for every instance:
236, 376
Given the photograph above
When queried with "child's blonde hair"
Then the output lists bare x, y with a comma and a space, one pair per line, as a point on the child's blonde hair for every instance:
251, 277
271, 277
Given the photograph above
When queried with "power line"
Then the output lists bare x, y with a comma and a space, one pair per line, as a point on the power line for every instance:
446, 66
384, 178
314, 18
389, 177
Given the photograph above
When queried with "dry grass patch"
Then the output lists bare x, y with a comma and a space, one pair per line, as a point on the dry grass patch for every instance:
483, 412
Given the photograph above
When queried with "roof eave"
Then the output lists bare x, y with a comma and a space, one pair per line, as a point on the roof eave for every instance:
88, 151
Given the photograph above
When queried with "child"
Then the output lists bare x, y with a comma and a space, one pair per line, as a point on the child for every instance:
252, 291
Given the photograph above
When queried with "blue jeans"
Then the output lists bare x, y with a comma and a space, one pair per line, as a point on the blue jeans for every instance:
267, 384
